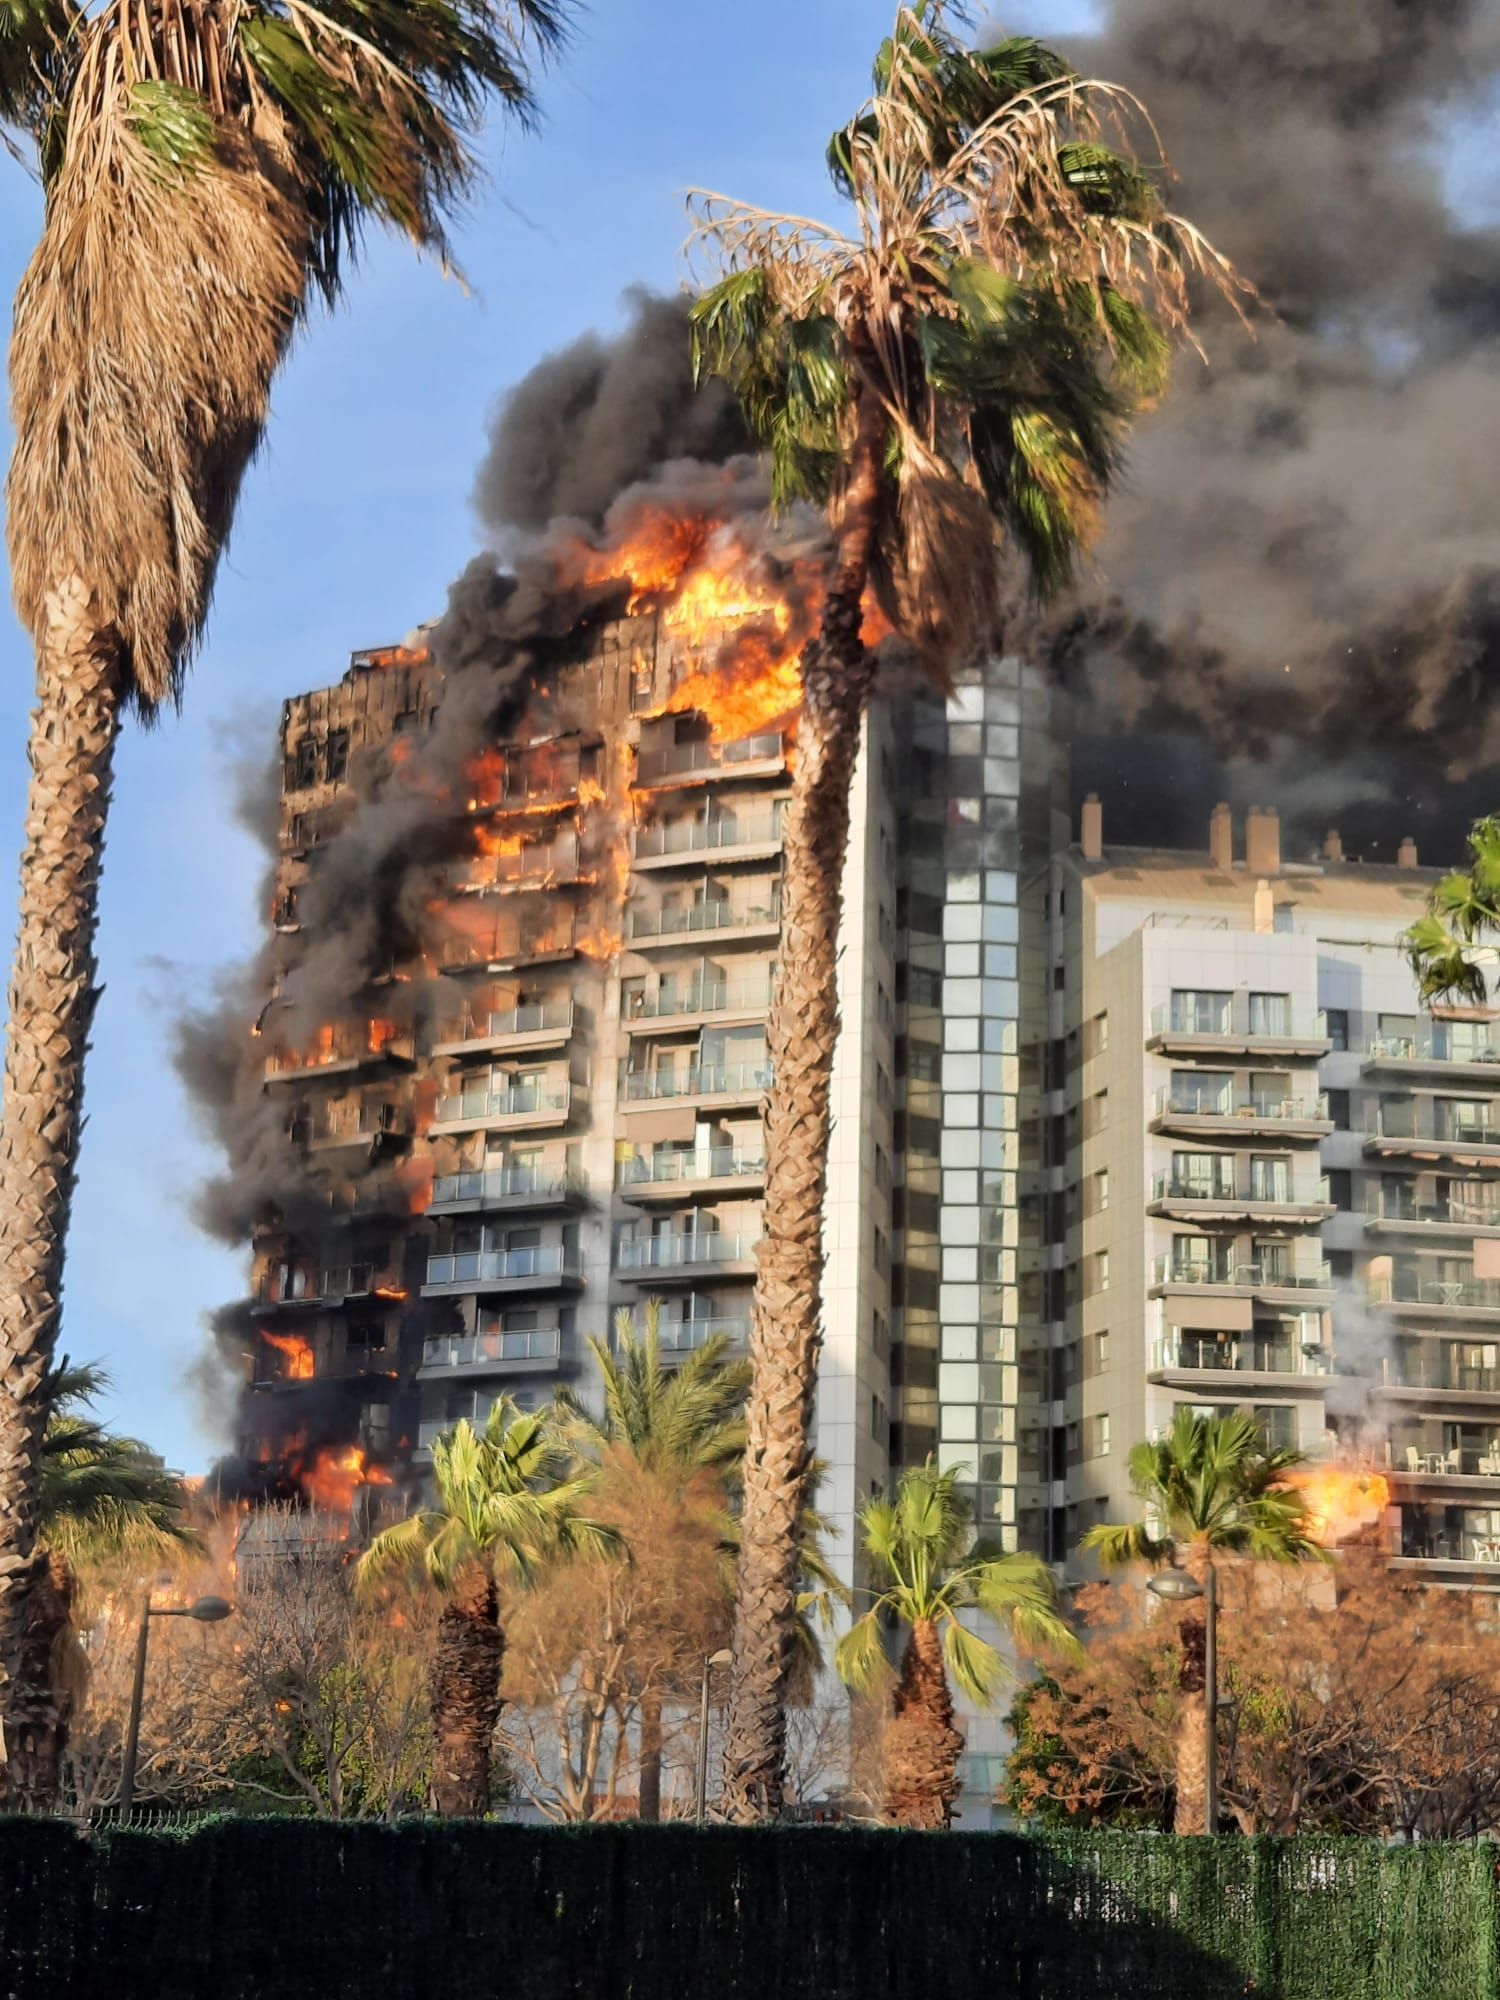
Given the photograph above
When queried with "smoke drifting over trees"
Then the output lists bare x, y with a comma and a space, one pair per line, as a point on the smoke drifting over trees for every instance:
1303, 564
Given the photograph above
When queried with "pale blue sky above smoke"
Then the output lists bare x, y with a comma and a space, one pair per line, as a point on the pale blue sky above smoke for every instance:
349, 530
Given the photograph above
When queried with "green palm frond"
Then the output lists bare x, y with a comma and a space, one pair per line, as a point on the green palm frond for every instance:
1448, 948
1020, 1591
976, 1666
102, 1494
860, 1655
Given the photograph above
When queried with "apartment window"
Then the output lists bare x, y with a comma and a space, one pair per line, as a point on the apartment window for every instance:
1398, 1034
882, 1005
1095, 1437
1340, 1264
882, 1168
1336, 1026
1059, 978
338, 756
1101, 1272
1101, 1352
1202, 1176
879, 1422
882, 1253
305, 763
1098, 1114
1101, 1191
1270, 1177
880, 1335
1207, 1092
1338, 1109
1199, 1013
1339, 1187
882, 1087
1270, 1013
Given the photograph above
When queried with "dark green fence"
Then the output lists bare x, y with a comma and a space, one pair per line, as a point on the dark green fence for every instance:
258, 1909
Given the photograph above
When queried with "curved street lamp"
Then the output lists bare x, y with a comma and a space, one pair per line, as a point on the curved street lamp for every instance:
207, 1611
710, 1660
1177, 1587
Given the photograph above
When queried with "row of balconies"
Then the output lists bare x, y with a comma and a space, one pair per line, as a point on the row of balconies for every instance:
553, 1266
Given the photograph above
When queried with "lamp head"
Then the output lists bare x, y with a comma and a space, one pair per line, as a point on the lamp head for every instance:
1175, 1585
209, 1610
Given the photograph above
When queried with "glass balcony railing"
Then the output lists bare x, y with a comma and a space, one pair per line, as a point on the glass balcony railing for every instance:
1434, 1451
683, 1336
530, 1101
468, 1350
699, 997
1429, 1047
704, 916
718, 1163
1168, 1187
552, 1017
1439, 1370
1238, 1353
503, 1184
1440, 1125
668, 1253
706, 836
1236, 1020
1221, 1191
1177, 1103
673, 760
1450, 1534
1405, 1288
468, 1267
696, 1080
1383, 1206
1261, 1276
509, 945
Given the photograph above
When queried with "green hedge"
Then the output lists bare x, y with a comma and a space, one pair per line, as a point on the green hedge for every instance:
260, 1909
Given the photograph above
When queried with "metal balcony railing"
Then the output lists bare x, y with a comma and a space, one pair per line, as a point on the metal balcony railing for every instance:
1260, 1276
1441, 1125
467, 1267
1167, 1187
707, 915
531, 1101
551, 1017
1176, 1103
1381, 1206
718, 1163
683, 1336
1236, 1018
538, 1343
661, 1253
1404, 1288
680, 759
700, 997
1439, 1371
1239, 1354
1427, 1046
503, 1184
699, 836
697, 1080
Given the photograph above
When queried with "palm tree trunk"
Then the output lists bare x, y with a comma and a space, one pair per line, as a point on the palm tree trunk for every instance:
648, 1802
53, 992
921, 1745
42, 1695
1190, 1807
466, 1696
801, 1034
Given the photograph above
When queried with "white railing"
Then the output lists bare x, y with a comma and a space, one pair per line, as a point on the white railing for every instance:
501, 1184
1244, 1277
718, 1163
530, 1102
702, 997
551, 1017
662, 1253
677, 759
699, 835
1239, 1353
466, 1350
1171, 1102
468, 1267
703, 916
697, 1080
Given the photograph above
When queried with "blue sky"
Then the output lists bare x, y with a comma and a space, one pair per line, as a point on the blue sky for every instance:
349, 529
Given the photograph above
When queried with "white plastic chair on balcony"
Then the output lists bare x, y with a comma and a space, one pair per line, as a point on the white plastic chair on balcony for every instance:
1413, 1459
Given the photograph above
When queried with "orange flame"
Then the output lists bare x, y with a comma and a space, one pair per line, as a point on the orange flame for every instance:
335, 1475
1341, 1501
379, 1035
298, 1352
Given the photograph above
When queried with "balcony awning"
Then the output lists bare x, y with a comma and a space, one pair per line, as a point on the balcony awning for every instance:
1216, 1314
674, 1122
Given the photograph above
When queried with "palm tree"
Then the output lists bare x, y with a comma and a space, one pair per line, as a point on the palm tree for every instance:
950, 375
506, 1503
102, 1497
1448, 947
921, 1546
206, 170
1208, 1485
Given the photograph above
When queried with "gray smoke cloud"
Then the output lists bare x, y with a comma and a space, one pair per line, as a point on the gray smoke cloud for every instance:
1302, 566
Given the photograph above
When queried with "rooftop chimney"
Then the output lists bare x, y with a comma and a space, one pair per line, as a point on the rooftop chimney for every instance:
1264, 909
1406, 853
1263, 841
1333, 847
1221, 836
1091, 828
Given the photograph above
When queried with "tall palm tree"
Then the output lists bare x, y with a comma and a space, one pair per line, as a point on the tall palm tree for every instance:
507, 1502
206, 170
1208, 1486
102, 1497
949, 376
1450, 946
922, 1548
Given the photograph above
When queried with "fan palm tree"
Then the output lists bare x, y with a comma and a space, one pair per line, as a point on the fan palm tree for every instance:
949, 376
507, 1502
206, 170
1209, 1485
922, 1549
102, 1497
1449, 947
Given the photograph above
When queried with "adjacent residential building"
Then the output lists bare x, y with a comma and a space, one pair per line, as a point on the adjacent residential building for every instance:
1274, 1182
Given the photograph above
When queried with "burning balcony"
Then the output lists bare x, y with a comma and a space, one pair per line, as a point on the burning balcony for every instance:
677, 1001
537, 777
698, 762
689, 1083
685, 1253
1200, 1107
509, 864
487, 944
1229, 1024
535, 1024
740, 833
351, 1122
519, 1187
492, 1105
725, 916
671, 1171
295, 1286
342, 1050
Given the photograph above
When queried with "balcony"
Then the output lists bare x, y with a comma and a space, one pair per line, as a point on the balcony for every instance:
531, 1108
1445, 1452
505, 1188
1205, 1203
1411, 1296
720, 1169
533, 1350
1239, 1115
504, 948
683, 1005
716, 1083
300, 1289
1436, 1374
530, 870
1439, 1136
699, 763
686, 1336
1181, 1358
684, 1254
1230, 1031
726, 918
1390, 1214
341, 1053
540, 1026
1451, 1539
364, 1125
1434, 1052
731, 836
1263, 1280
542, 1267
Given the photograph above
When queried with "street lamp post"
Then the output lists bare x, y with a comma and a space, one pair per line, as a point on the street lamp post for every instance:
207, 1611
1179, 1588
710, 1661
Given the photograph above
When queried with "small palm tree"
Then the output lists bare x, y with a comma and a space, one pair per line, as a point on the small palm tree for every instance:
1448, 947
1208, 1486
922, 1547
678, 1420
950, 376
102, 1497
207, 171
506, 1504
